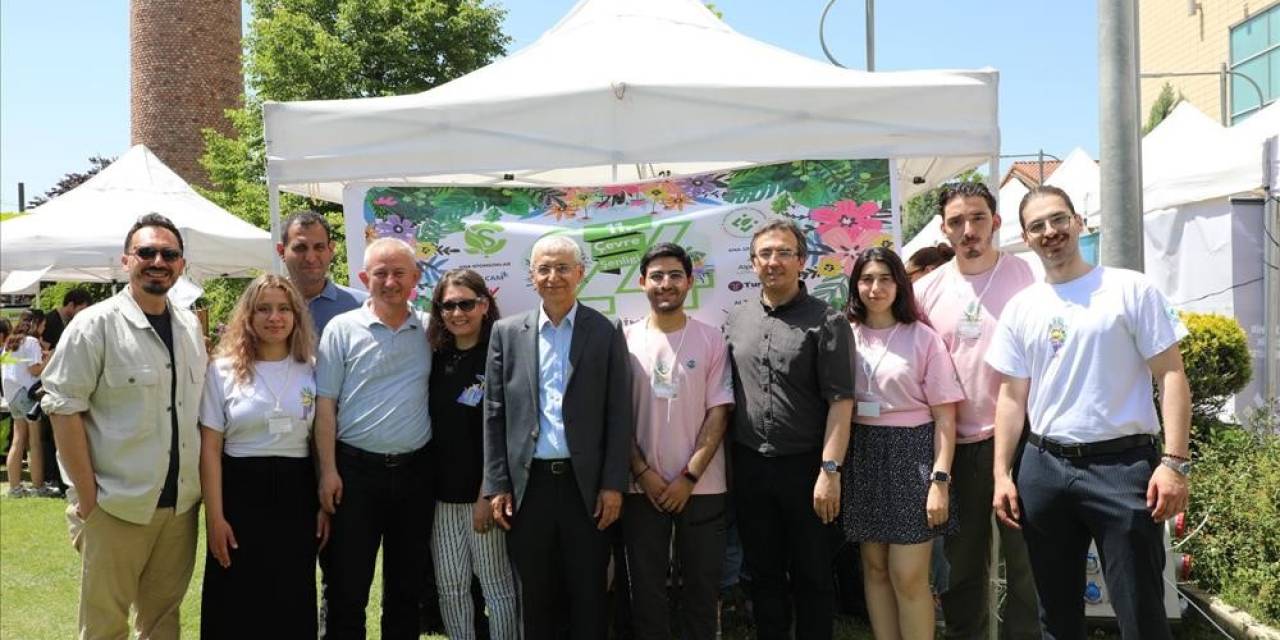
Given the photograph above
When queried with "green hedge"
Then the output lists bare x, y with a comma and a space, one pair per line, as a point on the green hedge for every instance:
1216, 356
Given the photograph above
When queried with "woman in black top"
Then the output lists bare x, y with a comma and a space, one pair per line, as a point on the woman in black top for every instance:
464, 539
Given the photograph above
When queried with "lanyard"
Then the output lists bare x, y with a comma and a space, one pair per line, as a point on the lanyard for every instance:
861, 344
976, 305
675, 355
287, 380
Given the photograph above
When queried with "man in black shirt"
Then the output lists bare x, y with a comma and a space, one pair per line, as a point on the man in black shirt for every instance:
73, 302
792, 361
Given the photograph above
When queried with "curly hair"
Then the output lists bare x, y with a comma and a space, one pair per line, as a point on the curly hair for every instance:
438, 336
240, 345
27, 324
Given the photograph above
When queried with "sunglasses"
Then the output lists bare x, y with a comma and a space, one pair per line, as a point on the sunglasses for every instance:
467, 306
150, 253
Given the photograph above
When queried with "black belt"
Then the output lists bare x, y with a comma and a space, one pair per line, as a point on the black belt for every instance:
557, 467
1086, 449
383, 459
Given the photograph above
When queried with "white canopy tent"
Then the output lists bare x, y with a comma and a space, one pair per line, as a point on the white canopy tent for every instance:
623, 90
1077, 175
79, 235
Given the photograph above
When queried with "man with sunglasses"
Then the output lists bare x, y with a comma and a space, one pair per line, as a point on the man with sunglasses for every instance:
792, 358
122, 390
306, 247
683, 393
1078, 353
558, 435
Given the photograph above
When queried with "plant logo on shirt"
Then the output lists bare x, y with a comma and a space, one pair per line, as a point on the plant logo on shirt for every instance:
1057, 333
308, 402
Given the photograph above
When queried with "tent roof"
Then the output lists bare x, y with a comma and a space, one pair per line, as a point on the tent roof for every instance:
621, 89
1189, 158
79, 235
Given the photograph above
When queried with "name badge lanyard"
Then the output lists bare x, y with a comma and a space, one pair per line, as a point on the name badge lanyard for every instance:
665, 390
871, 407
971, 324
278, 421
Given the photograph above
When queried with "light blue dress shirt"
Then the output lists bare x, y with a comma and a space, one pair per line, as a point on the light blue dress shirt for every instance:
554, 370
333, 300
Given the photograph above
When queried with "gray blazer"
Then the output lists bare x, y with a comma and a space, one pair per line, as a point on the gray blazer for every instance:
598, 415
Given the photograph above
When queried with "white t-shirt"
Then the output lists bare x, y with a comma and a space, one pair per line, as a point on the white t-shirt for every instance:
242, 412
1084, 345
17, 376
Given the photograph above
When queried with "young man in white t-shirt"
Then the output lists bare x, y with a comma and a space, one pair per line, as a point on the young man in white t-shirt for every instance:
1078, 353
962, 300
683, 392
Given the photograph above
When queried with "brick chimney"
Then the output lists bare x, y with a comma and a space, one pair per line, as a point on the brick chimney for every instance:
185, 63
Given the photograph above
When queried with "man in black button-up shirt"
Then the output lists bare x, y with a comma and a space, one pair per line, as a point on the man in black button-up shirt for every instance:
792, 360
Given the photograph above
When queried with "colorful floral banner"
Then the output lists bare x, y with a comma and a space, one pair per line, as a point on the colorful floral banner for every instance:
843, 206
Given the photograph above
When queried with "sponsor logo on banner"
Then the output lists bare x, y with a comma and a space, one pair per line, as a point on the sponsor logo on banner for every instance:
480, 241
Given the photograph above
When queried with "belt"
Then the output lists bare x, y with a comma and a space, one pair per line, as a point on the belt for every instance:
1086, 449
557, 467
383, 459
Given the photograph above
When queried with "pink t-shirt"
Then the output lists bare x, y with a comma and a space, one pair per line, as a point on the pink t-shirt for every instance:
905, 369
694, 362
949, 301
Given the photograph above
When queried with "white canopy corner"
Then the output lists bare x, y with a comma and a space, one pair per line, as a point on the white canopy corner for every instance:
79, 236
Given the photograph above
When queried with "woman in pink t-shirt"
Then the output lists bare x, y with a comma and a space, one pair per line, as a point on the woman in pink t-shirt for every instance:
896, 486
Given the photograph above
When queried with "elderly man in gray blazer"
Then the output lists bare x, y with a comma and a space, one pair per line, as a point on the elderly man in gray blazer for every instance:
558, 433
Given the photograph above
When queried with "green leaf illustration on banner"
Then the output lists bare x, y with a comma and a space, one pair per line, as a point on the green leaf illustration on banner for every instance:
758, 183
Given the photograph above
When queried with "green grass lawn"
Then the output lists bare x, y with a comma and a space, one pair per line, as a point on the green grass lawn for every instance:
39, 579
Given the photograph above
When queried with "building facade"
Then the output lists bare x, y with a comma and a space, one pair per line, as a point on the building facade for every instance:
1179, 36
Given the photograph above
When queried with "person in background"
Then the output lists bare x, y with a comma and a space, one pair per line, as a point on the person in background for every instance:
306, 247
263, 521
464, 540
23, 361
73, 301
123, 389
683, 390
925, 260
898, 484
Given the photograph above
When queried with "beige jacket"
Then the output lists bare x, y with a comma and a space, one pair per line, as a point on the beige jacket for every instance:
111, 366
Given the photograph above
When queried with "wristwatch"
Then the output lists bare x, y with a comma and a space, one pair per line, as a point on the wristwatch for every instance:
831, 466
940, 476
1181, 467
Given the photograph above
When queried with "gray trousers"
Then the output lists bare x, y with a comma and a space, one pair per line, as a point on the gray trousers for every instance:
699, 555
966, 602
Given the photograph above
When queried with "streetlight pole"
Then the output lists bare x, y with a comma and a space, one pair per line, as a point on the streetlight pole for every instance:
1119, 135
1223, 105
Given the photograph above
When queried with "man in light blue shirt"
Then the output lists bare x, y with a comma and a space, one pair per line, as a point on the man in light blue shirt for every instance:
372, 440
553, 375
306, 248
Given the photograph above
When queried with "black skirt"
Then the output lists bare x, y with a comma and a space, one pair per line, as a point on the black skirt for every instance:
886, 486
269, 591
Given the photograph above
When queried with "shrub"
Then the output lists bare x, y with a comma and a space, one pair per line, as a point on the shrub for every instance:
1216, 355
1236, 485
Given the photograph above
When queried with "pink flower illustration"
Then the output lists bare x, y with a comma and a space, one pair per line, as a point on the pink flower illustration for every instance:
847, 215
845, 247
385, 201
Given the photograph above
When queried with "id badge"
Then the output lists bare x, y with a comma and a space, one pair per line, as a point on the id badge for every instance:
868, 409
664, 390
279, 423
970, 329
663, 381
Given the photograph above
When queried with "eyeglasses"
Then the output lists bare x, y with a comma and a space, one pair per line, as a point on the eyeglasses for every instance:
544, 270
1059, 222
467, 306
675, 277
781, 254
150, 253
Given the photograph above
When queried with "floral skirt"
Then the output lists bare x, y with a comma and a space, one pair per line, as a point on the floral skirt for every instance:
886, 486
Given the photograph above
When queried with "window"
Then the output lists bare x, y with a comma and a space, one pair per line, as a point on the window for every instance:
1255, 52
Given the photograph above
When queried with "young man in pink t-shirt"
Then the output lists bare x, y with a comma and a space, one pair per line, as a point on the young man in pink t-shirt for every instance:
963, 301
683, 391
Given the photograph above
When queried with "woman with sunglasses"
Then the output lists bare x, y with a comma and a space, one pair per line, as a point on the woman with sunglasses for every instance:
464, 539
264, 524
897, 472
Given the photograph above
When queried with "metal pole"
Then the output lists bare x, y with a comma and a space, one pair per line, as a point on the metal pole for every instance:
22, 197
871, 35
1040, 160
1271, 278
1222, 97
1119, 134
273, 205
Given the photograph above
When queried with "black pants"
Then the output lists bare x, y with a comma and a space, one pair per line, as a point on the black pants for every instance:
554, 537
387, 505
786, 546
699, 543
270, 588
1067, 502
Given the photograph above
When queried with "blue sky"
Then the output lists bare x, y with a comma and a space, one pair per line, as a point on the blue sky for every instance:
64, 67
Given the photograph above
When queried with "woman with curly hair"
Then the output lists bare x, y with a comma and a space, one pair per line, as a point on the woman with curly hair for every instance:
24, 359
264, 524
464, 539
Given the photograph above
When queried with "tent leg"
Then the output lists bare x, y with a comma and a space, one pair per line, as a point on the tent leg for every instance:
895, 205
273, 203
1271, 280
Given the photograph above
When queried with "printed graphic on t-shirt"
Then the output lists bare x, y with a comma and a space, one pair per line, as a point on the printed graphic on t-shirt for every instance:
1057, 333
308, 402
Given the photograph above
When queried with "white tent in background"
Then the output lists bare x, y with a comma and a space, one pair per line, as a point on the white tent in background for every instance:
619, 91
928, 236
1007, 202
79, 235
1077, 175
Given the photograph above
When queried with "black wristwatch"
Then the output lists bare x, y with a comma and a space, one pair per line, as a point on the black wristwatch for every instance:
940, 476
831, 466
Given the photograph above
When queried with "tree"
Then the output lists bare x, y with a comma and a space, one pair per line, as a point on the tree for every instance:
73, 180
922, 207
1162, 107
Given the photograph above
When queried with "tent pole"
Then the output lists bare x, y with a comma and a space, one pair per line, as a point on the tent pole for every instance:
1270, 277
273, 203
895, 204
